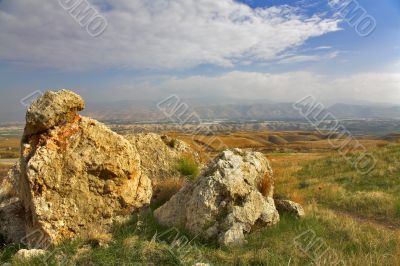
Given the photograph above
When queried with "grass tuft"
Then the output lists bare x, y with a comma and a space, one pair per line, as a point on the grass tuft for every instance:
188, 167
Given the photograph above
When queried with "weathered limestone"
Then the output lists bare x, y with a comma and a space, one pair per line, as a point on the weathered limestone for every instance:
234, 193
160, 154
75, 173
290, 207
24, 255
52, 109
12, 222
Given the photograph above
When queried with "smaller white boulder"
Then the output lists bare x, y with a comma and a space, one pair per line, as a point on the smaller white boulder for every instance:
27, 254
290, 207
234, 192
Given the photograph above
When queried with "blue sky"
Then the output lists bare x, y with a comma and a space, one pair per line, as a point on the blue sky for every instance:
375, 52
253, 49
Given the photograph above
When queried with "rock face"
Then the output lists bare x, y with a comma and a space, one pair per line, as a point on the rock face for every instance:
12, 223
75, 173
160, 154
234, 193
53, 109
290, 207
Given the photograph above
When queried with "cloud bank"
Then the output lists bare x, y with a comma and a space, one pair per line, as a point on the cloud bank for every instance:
279, 87
157, 34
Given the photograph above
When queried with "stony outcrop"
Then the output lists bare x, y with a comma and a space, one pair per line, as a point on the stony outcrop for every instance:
12, 222
53, 109
75, 173
234, 193
160, 154
289, 207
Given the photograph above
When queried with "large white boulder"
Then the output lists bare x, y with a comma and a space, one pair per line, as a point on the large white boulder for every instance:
234, 192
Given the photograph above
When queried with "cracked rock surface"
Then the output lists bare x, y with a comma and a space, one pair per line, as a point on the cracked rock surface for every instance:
234, 193
159, 154
75, 174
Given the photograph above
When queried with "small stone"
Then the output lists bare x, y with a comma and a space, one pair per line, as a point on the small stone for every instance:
12, 223
27, 254
290, 207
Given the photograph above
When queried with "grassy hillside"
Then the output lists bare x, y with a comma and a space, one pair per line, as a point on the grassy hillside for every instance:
333, 183
352, 219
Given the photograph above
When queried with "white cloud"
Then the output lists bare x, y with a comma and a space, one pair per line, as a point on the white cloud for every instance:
307, 58
146, 34
282, 87
323, 48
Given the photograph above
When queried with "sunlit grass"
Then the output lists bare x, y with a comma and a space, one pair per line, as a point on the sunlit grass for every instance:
141, 241
354, 215
333, 182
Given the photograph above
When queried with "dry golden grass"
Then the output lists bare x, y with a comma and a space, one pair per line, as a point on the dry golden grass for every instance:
285, 167
365, 235
277, 140
164, 189
267, 140
98, 238
266, 184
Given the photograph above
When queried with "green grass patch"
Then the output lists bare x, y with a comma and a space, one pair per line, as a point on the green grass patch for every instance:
188, 167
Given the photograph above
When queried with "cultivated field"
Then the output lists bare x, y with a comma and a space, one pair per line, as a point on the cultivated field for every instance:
9, 152
9, 147
353, 217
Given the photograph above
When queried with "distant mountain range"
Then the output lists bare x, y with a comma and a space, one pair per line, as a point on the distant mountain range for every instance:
148, 111
220, 109
365, 111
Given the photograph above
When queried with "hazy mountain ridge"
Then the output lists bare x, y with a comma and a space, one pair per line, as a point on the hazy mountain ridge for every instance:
365, 111
148, 111
225, 109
